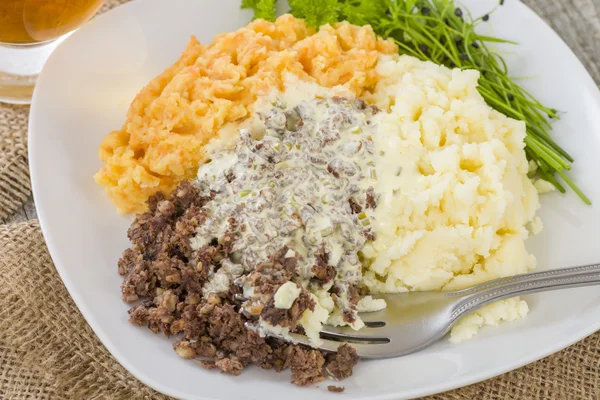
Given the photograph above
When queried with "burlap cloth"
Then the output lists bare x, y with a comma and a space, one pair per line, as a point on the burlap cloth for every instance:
14, 172
47, 350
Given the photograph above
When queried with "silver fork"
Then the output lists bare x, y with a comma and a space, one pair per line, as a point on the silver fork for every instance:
412, 321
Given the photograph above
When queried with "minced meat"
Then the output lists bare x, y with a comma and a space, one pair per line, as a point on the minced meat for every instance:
165, 279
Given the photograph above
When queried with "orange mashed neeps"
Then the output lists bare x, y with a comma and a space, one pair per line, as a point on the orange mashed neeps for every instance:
178, 112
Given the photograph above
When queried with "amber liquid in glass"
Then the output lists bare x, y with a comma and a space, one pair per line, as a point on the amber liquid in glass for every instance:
35, 21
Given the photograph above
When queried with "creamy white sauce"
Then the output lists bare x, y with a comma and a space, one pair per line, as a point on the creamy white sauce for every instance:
296, 187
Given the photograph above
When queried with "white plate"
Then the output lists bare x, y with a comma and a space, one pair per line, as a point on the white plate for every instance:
83, 93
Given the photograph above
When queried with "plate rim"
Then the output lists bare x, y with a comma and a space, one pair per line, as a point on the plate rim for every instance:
108, 343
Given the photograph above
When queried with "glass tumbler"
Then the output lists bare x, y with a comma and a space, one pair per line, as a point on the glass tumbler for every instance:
29, 31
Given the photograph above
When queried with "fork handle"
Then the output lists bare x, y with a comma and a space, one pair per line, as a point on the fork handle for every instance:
489, 292
534, 276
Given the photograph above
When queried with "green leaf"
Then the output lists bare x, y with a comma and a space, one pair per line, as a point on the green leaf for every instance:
316, 12
264, 9
364, 12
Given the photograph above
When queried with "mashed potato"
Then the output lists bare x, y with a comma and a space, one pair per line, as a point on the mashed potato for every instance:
454, 197
212, 88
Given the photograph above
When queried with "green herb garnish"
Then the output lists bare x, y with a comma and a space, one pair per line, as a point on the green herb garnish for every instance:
441, 32
264, 9
315, 12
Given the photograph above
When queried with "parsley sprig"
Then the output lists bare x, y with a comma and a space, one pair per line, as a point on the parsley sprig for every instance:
441, 32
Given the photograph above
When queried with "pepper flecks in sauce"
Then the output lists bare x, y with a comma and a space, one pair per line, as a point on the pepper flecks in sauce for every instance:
305, 187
